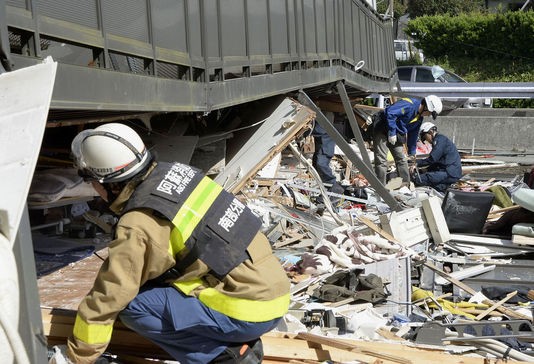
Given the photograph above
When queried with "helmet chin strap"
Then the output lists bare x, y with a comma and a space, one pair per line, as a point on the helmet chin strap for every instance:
110, 191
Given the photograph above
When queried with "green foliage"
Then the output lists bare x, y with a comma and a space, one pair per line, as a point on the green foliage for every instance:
509, 35
480, 47
399, 9
417, 8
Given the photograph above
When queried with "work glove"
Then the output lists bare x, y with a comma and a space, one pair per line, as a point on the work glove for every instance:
412, 163
59, 355
392, 139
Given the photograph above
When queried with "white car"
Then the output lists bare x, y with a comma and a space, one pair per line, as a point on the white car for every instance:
422, 75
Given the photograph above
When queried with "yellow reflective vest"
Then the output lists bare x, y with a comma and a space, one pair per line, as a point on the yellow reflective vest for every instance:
148, 244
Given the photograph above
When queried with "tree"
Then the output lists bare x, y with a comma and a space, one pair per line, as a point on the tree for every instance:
399, 9
437, 7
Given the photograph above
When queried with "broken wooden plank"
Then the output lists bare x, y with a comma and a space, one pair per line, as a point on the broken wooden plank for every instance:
290, 240
278, 347
472, 292
349, 347
503, 210
383, 233
495, 306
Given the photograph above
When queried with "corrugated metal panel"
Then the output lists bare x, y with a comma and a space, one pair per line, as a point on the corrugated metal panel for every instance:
17, 3
278, 25
309, 27
299, 26
83, 12
195, 44
211, 23
233, 31
169, 25
347, 29
292, 29
258, 35
357, 34
127, 18
321, 31
330, 27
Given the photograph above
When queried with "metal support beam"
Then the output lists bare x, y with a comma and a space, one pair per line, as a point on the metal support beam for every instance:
353, 123
351, 154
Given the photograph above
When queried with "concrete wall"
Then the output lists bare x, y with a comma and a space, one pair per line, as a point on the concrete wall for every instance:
494, 129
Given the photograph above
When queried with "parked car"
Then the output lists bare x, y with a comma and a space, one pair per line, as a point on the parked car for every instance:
422, 75
406, 50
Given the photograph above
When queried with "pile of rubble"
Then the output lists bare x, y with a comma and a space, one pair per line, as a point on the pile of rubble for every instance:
424, 274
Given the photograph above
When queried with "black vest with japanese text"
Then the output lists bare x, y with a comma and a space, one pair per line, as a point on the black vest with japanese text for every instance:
210, 223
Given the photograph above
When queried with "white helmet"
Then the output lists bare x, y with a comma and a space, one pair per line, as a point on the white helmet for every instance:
110, 153
426, 127
434, 105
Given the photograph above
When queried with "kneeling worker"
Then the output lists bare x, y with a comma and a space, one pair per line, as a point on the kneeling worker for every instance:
188, 267
444, 166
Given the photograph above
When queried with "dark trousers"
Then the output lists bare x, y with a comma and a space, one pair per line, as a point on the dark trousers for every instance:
324, 152
184, 327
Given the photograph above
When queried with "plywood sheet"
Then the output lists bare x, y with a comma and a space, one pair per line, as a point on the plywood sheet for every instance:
65, 288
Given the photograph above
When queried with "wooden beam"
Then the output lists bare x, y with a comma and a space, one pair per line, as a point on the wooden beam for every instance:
383, 233
495, 306
472, 292
343, 345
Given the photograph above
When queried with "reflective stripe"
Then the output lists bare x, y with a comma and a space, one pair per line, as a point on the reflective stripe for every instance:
414, 120
191, 212
238, 308
411, 102
187, 287
176, 242
92, 333
196, 205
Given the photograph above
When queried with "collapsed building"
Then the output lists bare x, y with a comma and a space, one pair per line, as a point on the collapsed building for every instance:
377, 267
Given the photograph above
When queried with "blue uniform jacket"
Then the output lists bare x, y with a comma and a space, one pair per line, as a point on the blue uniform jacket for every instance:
400, 120
443, 157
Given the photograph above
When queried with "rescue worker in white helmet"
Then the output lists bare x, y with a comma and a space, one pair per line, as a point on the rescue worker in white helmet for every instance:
188, 268
443, 164
397, 125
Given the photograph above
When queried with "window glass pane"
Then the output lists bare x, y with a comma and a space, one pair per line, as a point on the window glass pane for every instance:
424, 75
404, 74
449, 77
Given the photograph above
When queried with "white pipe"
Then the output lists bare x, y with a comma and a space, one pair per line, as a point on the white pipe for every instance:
493, 346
